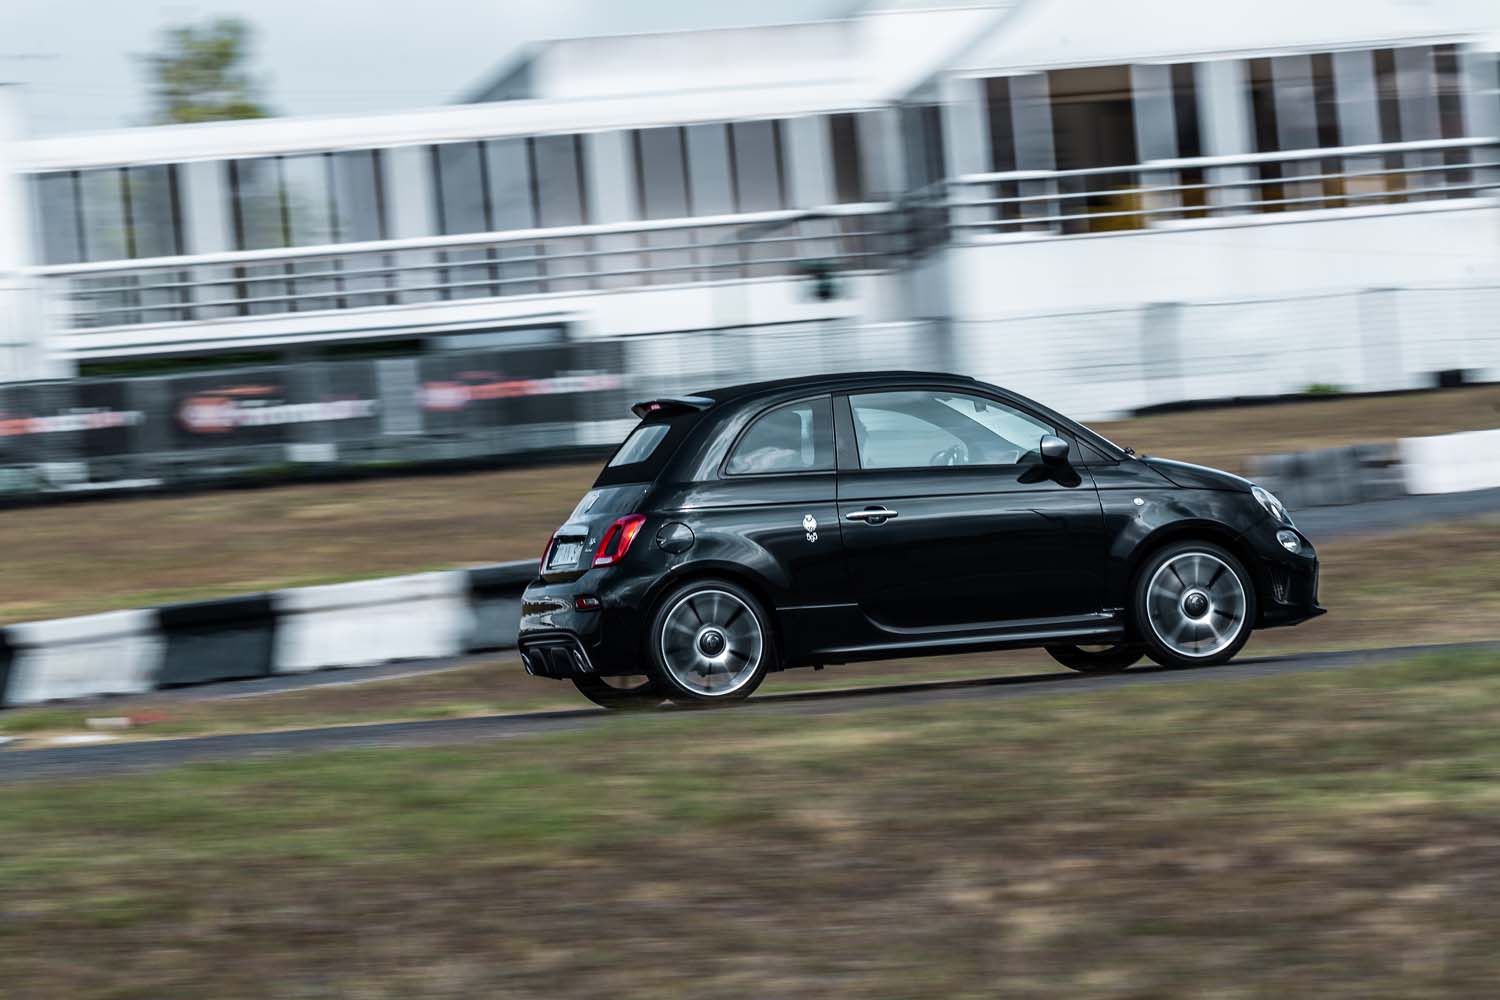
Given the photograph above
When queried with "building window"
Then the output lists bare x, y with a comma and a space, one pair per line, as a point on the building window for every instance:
922, 138
312, 199
458, 169
115, 213
710, 171
661, 174
760, 181
1093, 127
359, 196
557, 166
511, 204
59, 224
848, 162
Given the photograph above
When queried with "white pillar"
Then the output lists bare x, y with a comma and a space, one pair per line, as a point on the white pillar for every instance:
810, 158
1417, 104
1481, 105
966, 138
1031, 121
880, 150
1359, 120
1224, 111
23, 337
609, 169
1155, 130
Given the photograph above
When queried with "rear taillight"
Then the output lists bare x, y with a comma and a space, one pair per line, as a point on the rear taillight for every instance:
618, 539
547, 550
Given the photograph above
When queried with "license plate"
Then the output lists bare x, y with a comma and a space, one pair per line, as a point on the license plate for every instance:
565, 554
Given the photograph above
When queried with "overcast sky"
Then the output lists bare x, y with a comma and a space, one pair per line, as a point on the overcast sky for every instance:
77, 57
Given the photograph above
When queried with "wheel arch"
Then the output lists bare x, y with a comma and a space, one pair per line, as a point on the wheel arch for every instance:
758, 587
1202, 530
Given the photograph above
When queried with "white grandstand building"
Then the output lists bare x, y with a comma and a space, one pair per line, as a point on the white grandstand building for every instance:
1151, 199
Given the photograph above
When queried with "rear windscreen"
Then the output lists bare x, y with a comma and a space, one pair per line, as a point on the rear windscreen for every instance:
647, 450
639, 446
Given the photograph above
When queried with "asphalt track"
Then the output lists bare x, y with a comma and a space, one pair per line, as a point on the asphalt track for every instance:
115, 758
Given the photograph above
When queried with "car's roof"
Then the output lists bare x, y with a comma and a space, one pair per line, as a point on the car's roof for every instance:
830, 382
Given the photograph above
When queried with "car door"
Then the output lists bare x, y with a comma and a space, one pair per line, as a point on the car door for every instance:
951, 519
772, 509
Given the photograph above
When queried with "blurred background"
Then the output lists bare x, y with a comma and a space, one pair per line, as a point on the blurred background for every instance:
402, 268
272, 256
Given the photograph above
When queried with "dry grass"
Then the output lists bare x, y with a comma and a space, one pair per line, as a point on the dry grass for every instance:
84, 557
1330, 836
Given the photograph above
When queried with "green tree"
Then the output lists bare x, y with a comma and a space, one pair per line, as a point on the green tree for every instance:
199, 74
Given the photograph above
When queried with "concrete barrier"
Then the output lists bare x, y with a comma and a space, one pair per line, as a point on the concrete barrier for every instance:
209, 641
495, 597
372, 621
114, 653
1451, 463
5, 657
1332, 476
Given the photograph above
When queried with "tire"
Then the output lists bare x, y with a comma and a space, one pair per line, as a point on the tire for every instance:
1098, 659
1193, 605
625, 694
710, 643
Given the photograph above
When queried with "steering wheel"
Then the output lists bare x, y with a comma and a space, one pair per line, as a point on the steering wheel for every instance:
957, 454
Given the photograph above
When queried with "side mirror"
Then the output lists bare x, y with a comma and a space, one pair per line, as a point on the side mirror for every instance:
1054, 450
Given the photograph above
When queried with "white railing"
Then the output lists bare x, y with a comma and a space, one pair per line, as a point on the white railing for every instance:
541, 261
1164, 193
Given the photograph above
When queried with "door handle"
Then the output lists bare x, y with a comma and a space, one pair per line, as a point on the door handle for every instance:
871, 515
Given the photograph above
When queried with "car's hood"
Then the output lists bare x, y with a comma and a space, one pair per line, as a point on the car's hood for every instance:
1197, 477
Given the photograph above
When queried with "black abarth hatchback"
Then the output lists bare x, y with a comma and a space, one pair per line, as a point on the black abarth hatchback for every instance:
836, 519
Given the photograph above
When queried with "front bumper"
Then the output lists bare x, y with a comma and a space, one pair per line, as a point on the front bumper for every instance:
1287, 582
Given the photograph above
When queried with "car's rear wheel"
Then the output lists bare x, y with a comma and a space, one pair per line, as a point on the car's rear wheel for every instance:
621, 693
1102, 659
1194, 605
711, 643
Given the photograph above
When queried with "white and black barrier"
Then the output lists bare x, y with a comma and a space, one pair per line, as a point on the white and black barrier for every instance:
420, 617
1422, 466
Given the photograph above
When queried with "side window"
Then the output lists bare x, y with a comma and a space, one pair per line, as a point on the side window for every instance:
793, 438
904, 430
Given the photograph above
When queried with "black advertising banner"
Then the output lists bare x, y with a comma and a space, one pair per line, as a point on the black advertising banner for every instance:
61, 422
516, 388
260, 406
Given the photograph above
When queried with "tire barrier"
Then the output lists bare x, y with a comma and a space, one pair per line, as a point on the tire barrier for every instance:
421, 617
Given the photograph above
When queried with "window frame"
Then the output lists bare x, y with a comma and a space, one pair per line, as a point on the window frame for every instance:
850, 452
833, 429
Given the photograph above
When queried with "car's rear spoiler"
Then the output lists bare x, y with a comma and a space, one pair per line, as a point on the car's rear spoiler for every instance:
672, 406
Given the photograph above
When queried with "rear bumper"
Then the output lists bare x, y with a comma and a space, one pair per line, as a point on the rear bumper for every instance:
557, 640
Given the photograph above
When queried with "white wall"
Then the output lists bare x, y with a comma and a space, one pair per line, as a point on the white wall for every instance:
1103, 325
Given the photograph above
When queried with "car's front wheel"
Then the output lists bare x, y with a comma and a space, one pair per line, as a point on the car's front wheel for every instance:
1194, 605
711, 643
1098, 659
622, 694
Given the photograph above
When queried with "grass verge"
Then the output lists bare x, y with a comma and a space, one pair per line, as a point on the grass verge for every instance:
1330, 835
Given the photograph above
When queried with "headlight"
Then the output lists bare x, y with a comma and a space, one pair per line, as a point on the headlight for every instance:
1289, 541
1273, 506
